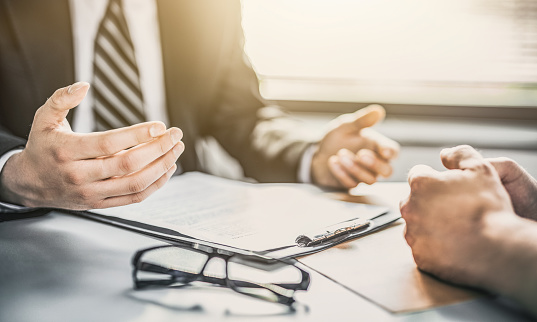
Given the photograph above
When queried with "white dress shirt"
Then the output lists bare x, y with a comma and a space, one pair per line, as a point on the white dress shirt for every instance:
141, 16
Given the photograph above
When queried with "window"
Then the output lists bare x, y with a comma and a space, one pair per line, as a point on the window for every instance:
442, 52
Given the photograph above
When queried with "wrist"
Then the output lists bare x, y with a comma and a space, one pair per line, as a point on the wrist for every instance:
513, 272
306, 164
315, 164
10, 180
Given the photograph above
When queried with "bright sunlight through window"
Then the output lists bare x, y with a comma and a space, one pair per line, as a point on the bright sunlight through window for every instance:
442, 52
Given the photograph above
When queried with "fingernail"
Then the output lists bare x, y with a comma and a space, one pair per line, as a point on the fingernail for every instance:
386, 170
176, 136
75, 87
178, 149
446, 151
337, 166
157, 130
367, 160
346, 161
387, 153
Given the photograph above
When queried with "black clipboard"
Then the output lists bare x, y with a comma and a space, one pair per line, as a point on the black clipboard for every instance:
381, 221
297, 250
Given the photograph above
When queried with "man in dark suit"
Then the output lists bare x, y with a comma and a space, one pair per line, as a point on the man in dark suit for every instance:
210, 90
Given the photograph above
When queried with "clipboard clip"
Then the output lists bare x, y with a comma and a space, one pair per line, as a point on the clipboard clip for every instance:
333, 232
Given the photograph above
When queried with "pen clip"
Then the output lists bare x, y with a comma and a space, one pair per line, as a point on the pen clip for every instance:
338, 230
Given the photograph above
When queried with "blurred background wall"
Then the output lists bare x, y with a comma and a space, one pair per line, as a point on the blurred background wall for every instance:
448, 72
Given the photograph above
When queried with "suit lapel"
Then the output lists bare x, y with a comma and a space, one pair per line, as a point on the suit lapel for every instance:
44, 32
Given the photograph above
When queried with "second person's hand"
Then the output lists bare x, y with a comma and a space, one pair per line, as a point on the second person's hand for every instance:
351, 152
520, 185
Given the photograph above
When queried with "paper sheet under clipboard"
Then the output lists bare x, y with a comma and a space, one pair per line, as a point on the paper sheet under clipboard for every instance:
257, 217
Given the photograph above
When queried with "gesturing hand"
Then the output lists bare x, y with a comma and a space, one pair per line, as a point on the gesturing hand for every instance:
351, 152
62, 169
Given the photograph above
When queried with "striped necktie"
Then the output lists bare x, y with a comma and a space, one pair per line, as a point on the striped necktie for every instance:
116, 81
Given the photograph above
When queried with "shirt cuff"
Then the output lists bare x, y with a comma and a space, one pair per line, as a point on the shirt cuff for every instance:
304, 168
6, 207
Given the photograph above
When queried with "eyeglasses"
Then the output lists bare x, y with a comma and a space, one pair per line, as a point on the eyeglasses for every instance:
272, 280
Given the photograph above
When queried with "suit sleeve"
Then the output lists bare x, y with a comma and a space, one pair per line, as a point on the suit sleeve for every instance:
9, 142
266, 141
10, 67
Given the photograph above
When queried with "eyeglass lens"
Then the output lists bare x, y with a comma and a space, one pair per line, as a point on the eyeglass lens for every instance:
275, 281
263, 281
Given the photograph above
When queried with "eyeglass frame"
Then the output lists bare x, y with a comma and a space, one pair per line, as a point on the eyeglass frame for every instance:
213, 251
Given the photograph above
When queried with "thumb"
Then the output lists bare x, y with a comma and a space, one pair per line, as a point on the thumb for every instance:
421, 171
461, 157
508, 170
368, 116
58, 105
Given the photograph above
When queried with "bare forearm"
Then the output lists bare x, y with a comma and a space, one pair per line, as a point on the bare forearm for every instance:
527, 244
518, 276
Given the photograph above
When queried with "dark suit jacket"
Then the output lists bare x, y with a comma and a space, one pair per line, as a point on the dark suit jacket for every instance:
210, 88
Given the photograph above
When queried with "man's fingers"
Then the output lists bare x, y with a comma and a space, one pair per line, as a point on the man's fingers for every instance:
508, 169
139, 196
55, 109
373, 163
384, 146
365, 166
338, 171
99, 144
141, 180
357, 172
368, 116
420, 173
502, 165
132, 160
350, 169
461, 157
365, 117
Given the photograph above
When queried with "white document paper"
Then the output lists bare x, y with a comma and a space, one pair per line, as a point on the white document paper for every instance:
249, 216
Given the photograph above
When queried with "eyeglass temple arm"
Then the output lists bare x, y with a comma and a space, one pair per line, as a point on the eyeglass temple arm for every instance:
187, 277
